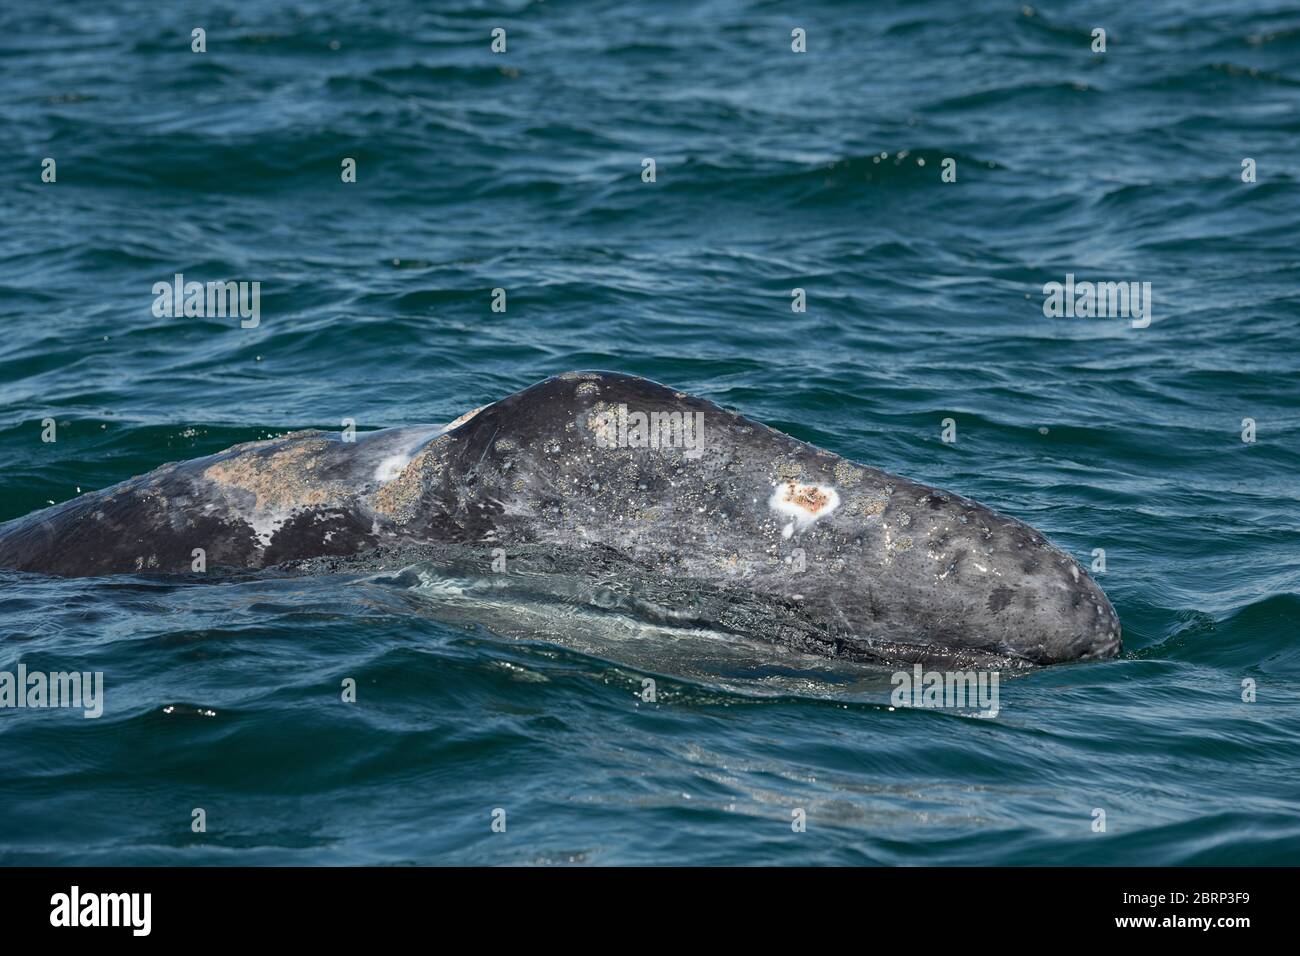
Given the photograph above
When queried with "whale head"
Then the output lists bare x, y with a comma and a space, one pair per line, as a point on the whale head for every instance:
797, 544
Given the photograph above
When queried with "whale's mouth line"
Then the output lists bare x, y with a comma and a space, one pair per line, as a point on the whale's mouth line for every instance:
604, 582
959, 657
1111, 648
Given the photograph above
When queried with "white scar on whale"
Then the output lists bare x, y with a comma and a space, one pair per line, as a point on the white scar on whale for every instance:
802, 504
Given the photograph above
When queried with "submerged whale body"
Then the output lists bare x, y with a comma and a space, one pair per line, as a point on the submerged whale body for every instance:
700, 514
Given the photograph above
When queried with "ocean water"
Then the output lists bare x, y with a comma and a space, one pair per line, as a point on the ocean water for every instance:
774, 171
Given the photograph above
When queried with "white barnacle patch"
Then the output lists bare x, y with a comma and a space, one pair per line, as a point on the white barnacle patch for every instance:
802, 504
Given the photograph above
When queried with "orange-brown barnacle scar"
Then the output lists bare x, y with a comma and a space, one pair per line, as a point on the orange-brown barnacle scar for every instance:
803, 503
809, 497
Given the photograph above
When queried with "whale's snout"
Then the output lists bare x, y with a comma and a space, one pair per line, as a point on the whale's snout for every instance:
1103, 641
1096, 639
1072, 619
993, 588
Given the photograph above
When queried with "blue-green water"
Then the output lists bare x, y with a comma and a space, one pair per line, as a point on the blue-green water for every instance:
774, 171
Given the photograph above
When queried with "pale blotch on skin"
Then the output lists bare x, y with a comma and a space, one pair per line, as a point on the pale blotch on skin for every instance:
803, 504
602, 425
399, 498
283, 480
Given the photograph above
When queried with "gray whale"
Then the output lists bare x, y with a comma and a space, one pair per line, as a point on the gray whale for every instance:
705, 514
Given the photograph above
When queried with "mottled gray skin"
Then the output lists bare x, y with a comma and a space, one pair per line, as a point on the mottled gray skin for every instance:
894, 571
